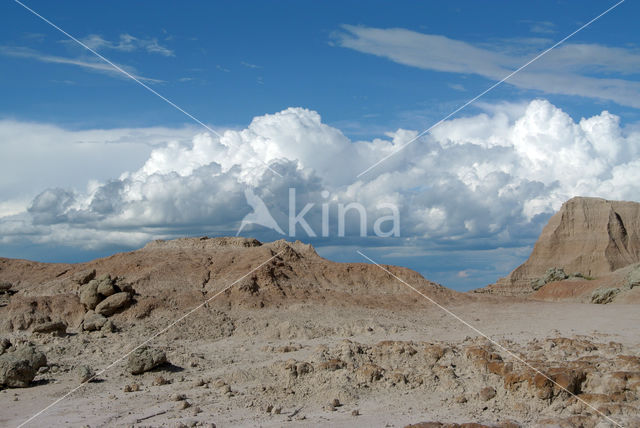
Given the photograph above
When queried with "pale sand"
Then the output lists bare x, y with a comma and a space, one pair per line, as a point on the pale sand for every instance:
242, 361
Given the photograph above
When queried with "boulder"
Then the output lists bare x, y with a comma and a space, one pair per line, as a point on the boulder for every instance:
93, 321
15, 372
5, 286
109, 327
18, 368
89, 294
144, 359
36, 358
84, 276
104, 277
106, 286
84, 373
487, 393
113, 303
106, 289
58, 328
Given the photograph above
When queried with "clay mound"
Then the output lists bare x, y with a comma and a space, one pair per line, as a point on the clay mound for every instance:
177, 275
589, 236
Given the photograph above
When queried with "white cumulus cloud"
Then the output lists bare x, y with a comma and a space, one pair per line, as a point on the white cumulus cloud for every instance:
477, 182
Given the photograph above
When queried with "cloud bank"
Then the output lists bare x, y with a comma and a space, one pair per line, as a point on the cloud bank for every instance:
477, 183
34, 156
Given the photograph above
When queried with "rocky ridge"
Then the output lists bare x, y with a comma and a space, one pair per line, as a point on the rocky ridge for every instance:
166, 276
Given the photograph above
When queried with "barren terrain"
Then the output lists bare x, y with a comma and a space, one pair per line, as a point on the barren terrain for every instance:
303, 341
232, 365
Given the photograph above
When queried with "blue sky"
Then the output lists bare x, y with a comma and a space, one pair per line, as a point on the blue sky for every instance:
292, 46
365, 77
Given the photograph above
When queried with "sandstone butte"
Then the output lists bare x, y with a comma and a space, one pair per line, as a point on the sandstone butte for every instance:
594, 240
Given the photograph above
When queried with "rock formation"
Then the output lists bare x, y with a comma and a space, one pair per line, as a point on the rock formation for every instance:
588, 236
58, 328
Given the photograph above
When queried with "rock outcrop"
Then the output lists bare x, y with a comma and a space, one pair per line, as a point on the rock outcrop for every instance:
633, 278
588, 236
553, 274
604, 295
58, 328
24, 312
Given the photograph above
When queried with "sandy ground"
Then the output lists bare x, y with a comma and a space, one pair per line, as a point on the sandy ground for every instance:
233, 365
